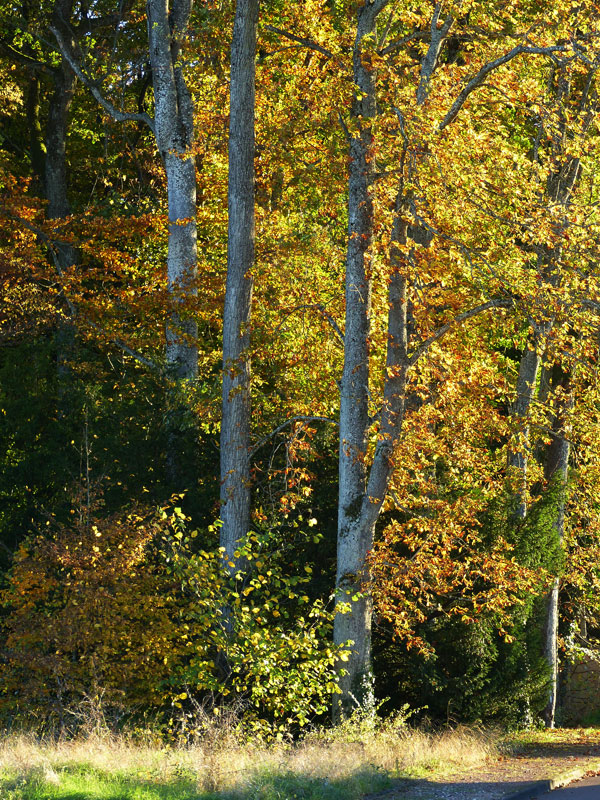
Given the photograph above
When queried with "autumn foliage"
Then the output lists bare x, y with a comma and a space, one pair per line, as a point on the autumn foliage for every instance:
425, 288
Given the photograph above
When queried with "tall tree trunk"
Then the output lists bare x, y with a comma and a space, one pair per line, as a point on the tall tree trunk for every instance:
55, 182
174, 124
556, 470
361, 494
37, 147
235, 422
174, 129
56, 190
353, 539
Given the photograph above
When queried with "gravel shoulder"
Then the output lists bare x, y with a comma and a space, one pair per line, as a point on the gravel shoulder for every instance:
528, 769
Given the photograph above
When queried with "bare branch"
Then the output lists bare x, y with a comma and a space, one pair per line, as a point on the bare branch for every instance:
478, 79
400, 42
321, 309
310, 43
91, 24
25, 60
119, 116
279, 428
386, 29
135, 354
503, 302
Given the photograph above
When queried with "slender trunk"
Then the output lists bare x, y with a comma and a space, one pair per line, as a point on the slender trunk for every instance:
236, 409
65, 255
561, 184
37, 147
556, 469
56, 189
518, 457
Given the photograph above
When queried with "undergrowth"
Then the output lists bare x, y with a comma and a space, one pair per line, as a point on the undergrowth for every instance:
361, 756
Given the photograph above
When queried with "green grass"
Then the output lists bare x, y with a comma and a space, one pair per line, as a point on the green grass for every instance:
341, 764
83, 783
345, 763
90, 784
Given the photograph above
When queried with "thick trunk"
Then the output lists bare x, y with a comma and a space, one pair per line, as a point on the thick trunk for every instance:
56, 140
174, 124
174, 130
353, 539
235, 423
353, 547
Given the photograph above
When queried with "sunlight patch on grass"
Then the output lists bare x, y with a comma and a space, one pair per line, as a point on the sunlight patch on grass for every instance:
340, 764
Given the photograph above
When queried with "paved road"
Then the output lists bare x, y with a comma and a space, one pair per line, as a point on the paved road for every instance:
587, 789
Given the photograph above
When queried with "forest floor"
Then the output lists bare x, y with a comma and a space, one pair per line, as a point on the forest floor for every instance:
383, 764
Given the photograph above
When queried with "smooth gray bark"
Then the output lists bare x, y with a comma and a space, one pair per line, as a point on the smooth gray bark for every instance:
354, 538
561, 183
174, 130
430, 60
173, 127
236, 408
362, 493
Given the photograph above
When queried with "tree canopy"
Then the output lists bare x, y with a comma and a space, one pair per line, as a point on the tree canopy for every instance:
298, 353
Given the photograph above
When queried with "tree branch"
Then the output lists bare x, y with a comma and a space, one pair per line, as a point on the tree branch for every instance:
430, 60
119, 116
73, 310
25, 60
478, 79
507, 302
321, 309
383, 51
378, 5
310, 43
279, 428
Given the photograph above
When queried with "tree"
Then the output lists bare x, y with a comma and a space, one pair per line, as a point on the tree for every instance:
236, 409
421, 129
173, 129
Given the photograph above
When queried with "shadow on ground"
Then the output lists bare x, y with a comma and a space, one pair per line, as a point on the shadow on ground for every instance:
493, 781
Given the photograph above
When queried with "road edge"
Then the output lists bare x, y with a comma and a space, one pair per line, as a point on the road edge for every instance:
538, 788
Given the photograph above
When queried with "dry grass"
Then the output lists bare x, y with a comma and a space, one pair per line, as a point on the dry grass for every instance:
356, 758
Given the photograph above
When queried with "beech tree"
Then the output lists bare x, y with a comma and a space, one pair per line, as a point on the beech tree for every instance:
173, 129
235, 417
427, 172
420, 127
